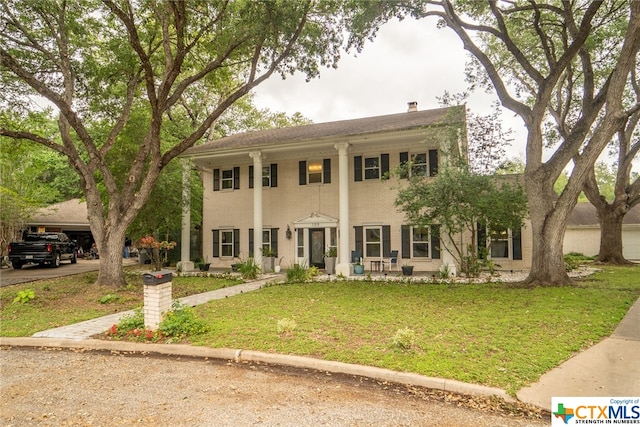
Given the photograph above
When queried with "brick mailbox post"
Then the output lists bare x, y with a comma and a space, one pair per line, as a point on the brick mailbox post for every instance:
157, 297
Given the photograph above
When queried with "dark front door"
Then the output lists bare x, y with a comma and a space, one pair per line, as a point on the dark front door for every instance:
316, 247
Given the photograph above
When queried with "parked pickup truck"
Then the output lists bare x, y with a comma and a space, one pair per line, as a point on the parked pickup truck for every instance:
42, 248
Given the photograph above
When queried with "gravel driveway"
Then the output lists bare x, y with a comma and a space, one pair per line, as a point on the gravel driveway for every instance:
76, 388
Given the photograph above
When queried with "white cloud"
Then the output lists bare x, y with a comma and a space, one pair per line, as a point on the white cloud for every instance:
407, 61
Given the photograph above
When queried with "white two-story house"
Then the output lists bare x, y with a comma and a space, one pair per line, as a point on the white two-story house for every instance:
302, 190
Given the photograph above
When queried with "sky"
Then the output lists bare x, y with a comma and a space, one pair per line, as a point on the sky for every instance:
407, 61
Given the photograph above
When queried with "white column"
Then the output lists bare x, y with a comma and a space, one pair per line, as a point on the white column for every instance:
185, 250
343, 267
257, 206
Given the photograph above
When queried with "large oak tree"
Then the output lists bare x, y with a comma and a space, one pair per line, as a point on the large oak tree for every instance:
107, 65
565, 63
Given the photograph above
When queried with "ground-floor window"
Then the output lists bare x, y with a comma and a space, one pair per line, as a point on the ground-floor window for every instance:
420, 242
226, 243
373, 242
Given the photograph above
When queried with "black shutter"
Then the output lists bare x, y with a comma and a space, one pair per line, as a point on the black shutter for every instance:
517, 244
357, 168
326, 171
359, 237
274, 174
406, 241
216, 243
386, 241
435, 241
216, 180
236, 242
384, 166
404, 161
236, 178
482, 240
274, 241
302, 172
251, 176
433, 162
251, 242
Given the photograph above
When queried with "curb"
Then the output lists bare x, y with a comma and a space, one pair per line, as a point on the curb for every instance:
382, 374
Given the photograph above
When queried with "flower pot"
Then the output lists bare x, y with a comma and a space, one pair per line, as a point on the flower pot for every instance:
204, 267
276, 269
330, 265
358, 269
407, 270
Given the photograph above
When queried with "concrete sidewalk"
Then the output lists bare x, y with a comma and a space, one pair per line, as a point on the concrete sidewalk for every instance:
86, 329
609, 368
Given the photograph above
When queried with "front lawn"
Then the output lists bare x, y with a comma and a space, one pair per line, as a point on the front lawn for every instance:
493, 334
72, 299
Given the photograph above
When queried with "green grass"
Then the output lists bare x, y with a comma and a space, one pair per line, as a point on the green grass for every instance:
492, 334
66, 300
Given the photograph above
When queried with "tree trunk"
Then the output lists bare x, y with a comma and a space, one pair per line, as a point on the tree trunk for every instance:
111, 273
610, 220
549, 217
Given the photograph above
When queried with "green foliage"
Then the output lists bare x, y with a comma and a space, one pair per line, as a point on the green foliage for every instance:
404, 339
248, 268
573, 260
131, 322
181, 322
457, 200
24, 296
300, 273
286, 326
109, 299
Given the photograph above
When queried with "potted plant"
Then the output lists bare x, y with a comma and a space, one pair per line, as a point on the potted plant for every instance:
407, 270
358, 268
330, 259
268, 259
204, 266
277, 267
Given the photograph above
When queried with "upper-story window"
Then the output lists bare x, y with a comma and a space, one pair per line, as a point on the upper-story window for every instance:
226, 179
314, 171
269, 175
370, 167
422, 164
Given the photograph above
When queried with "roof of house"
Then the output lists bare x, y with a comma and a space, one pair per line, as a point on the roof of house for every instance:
343, 128
72, 211
585, 214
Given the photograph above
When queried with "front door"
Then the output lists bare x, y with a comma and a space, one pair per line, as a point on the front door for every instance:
316, 247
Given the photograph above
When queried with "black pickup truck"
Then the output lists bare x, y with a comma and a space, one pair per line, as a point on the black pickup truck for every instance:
42, 248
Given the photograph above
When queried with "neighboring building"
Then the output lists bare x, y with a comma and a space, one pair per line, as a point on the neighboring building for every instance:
68, 217
302, 190
583, 232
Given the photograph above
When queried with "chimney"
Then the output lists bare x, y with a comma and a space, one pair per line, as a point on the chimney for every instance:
413, 106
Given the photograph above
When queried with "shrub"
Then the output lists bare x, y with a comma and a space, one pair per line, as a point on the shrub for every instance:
24, 296
109, 298
297, 273
572, 260
249, 269
404, 338
286, 325
181, 322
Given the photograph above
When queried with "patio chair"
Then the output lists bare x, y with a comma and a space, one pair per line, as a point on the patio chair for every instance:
391, 260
